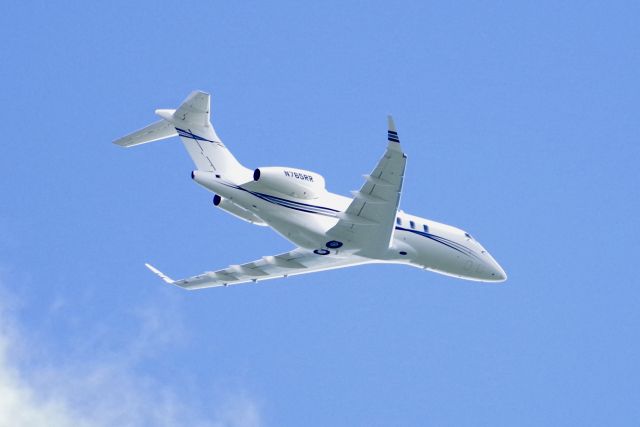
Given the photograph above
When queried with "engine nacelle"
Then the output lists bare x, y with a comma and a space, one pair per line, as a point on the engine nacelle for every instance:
292, 182
237, 211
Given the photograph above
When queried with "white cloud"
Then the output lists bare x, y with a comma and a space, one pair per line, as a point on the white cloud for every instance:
108, 391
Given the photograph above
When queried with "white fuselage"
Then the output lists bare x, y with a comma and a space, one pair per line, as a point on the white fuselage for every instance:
416, 241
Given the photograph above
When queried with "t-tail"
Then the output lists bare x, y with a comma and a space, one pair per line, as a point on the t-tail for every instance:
191, 121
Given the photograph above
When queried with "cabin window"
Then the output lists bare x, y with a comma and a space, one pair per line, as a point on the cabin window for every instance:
398, 221
412, 225
425, 227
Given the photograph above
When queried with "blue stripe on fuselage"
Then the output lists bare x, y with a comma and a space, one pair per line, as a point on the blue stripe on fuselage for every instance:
291, 204
443, 241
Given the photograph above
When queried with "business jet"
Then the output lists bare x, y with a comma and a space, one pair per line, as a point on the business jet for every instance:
329, 230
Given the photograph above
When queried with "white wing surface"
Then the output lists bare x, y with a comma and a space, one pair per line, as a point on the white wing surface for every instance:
369, 220
154, 132
297, 261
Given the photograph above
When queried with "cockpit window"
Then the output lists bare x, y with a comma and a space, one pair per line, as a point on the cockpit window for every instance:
426, 228
412, 224
398, 221
468, 236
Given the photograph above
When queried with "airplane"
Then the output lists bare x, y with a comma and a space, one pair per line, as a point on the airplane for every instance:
330, 231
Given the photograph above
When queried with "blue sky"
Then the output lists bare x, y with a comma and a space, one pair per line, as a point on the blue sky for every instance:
521, 123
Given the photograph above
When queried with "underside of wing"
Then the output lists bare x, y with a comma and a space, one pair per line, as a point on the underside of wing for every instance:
369, 220
154, 132
298, 261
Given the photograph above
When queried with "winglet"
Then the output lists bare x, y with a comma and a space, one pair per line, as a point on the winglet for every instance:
159, 273
391, 123
392, 133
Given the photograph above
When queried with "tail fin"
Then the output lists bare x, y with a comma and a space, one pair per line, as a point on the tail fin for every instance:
191, 121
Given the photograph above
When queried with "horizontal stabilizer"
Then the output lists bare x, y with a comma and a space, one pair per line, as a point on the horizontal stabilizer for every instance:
154, 132
159, 273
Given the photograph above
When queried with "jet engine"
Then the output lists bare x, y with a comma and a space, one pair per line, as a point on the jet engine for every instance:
237, 211
292, 182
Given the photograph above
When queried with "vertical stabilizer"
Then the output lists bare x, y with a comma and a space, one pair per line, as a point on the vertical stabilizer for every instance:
193, 124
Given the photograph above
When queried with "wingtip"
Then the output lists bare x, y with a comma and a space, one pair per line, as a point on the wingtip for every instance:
122, 142
391, 123
159, 273
392, 134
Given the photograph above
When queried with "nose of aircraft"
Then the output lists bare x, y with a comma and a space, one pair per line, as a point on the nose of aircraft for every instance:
496, 272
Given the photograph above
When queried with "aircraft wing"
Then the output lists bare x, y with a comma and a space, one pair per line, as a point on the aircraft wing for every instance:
369, 220
297, 261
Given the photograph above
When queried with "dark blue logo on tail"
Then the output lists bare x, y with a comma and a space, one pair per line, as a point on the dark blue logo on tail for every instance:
188, 134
